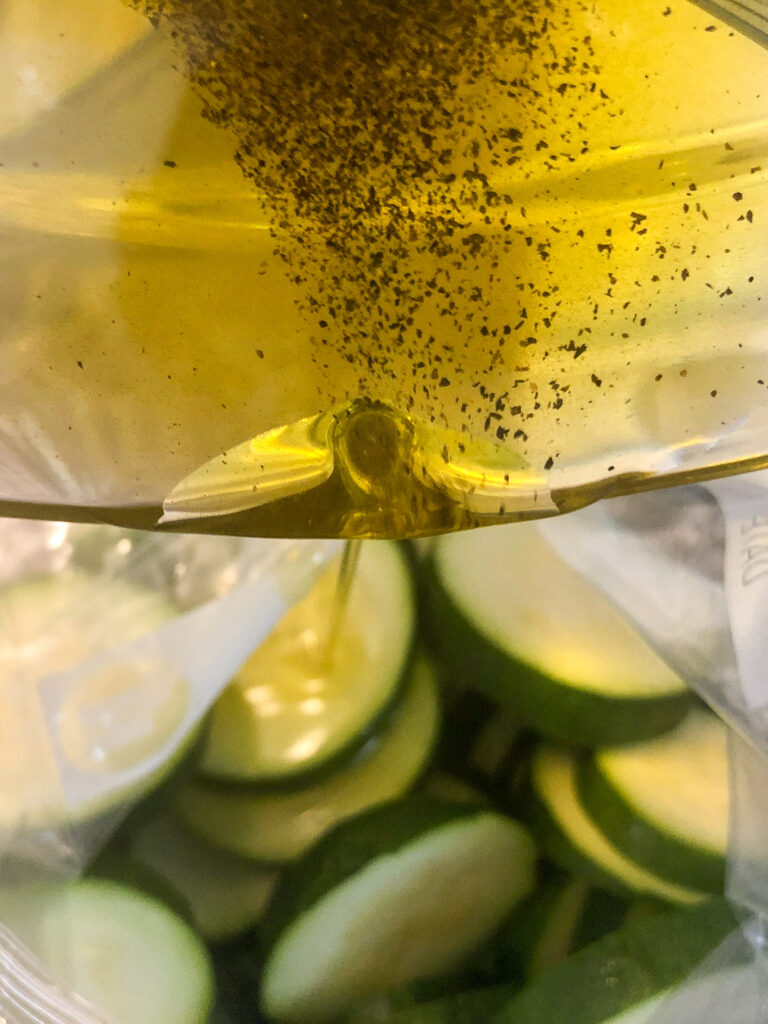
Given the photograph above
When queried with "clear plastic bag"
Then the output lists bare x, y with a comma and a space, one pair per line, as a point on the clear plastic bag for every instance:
113, 645
140, 343
689, 568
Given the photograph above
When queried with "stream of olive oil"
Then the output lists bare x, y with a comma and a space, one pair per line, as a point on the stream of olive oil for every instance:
347, 569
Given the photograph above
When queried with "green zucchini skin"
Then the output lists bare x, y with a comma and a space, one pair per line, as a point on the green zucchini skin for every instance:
646, 958
342, 852
357, 749
124, 951
579, 846
557, 845
551, 708
378, 907
559, 918
115, 865
275, 827
658, 851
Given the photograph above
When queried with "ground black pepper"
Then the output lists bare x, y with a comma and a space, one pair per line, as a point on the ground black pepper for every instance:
405, 150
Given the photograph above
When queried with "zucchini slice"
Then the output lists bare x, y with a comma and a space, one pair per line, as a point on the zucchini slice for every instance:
125, 953
401, 893
623, 978
296, 705
278, 826
577, 844
225, 895
509, 617
665, 803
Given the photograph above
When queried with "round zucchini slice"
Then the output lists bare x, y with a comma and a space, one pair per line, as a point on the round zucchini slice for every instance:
278, 826
509, 617
123, 952
401, 893
575, 841
225, 895
303, 699
665, 803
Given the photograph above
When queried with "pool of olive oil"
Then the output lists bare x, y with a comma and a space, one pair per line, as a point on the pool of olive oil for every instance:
370, 269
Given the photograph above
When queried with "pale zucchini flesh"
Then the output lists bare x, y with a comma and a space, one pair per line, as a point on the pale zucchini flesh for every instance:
508, 617
124, 952
520, 594
279, 826
410, 912
303, 698
666, 802
225, 895
578, 844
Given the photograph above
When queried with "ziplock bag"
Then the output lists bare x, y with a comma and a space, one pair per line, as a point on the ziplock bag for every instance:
113, 645
363, 269
689, 568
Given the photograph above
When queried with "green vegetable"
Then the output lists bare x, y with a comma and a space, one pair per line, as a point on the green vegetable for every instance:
507, 616
665, 803
278, 826
622, 978
401, 893
289, 712
574, 840
121, 950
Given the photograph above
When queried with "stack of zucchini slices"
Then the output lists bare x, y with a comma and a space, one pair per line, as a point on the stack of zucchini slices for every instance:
485, 800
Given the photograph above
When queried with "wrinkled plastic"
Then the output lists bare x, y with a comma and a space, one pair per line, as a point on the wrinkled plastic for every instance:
748, 16
89, 725
92, 722
689, 568
29, 994
140, 347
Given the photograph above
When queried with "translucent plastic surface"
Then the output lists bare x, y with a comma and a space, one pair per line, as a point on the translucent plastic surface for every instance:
113, 645
446, 263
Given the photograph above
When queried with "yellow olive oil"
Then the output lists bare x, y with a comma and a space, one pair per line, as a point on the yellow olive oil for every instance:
387, 268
